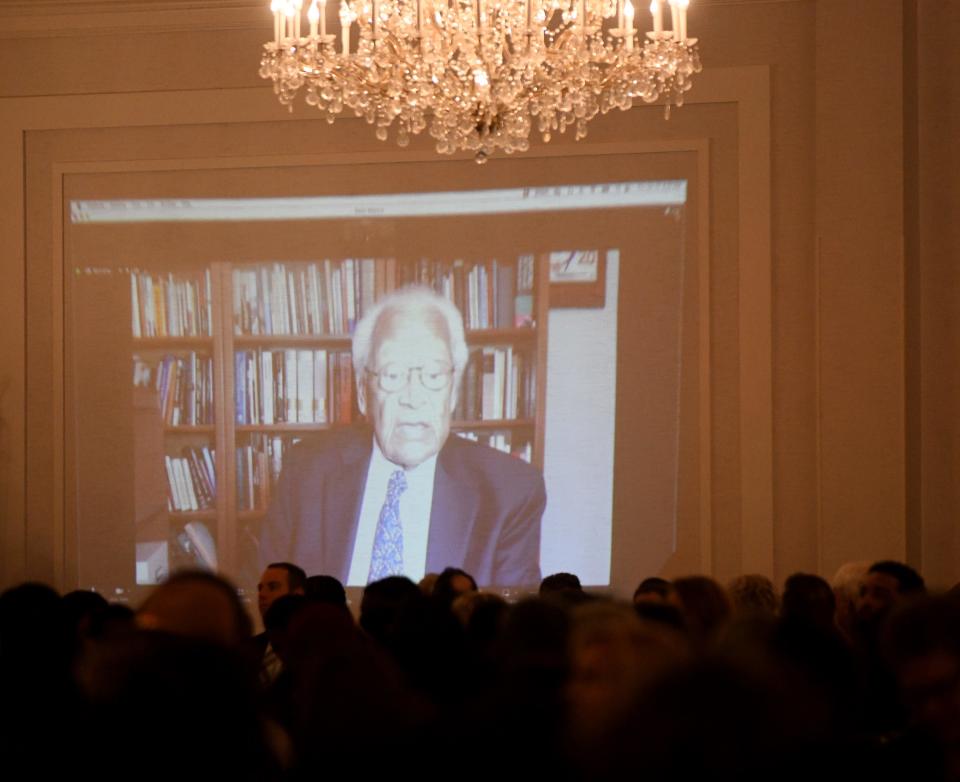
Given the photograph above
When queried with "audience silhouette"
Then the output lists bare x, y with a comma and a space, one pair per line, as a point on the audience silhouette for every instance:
689, 680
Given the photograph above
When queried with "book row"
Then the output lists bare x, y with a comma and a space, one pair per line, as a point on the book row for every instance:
293, 386
184, 386
191, 480
498, 383
317, 386
171, 305
328, 297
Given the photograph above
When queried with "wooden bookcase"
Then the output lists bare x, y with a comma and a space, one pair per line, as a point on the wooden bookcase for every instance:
240, 441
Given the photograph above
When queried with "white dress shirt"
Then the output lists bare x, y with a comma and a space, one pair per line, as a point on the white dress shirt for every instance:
415, 506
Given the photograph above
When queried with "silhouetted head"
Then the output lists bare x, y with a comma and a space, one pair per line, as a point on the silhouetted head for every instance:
197, 604
278, 579
383, 602
887, 583
452, 583
326, 589
808, 599
560, 582
705, 607
753, 594
655, 589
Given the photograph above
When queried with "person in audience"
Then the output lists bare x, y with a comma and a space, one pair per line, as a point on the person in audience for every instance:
885, 585
400, 495
420, 633
666, 614
197, 604
521, 710
326, 589
563, 589
808, 642
482, 616
705, 607
174, 701
276, 622
595, 691
616, 653
559, 582
611, 658
39, 708
84, 611
452, 583
655, 589
923, 645
382, 603
480, 613
753, 594
888, 585
344, 701
427, 583
846, 584
278, 579
720, 718
809, 599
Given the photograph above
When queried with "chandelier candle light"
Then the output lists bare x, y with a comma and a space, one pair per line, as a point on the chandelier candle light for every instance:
479, 73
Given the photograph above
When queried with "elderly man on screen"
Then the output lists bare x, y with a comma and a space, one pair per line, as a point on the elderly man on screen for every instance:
406, 498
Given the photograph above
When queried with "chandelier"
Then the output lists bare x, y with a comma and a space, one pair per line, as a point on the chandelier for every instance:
480, 74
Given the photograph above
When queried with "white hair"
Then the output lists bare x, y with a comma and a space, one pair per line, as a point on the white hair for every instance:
415, 298
849, 577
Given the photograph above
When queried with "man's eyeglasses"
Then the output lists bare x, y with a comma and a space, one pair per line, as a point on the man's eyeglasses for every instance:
434, 376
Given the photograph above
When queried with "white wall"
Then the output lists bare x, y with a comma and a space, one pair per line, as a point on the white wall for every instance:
581, 415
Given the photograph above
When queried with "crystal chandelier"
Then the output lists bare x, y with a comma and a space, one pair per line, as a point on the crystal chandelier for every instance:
480, 74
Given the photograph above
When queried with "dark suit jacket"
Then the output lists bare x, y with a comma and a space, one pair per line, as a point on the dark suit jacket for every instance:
485, 516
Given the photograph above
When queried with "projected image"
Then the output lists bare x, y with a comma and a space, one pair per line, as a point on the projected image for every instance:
411, 498
359, 416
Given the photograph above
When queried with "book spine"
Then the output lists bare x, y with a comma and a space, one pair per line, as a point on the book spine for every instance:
291, 386
368, 285
239, 462
304, 386
304, 309
208, 303
197, 483
210, 470
267, 387
320, 386
239, 384
135, 306
172, 496
316, 303
292, 321
279, 387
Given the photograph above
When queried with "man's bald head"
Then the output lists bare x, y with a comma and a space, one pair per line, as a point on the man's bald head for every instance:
199, 605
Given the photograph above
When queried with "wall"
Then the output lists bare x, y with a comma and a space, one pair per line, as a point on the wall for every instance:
831, 432
934, 295
581, 367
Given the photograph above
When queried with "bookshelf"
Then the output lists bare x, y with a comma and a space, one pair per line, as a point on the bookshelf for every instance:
243, 360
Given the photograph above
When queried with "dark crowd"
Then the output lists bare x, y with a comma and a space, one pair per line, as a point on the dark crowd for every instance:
854, 679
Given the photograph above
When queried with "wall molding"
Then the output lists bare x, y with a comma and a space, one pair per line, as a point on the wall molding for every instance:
62, 18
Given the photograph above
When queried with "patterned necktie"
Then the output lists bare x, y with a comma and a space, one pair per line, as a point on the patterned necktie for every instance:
387, 557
